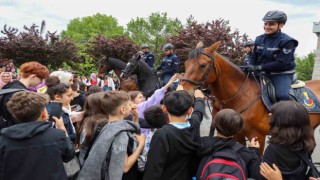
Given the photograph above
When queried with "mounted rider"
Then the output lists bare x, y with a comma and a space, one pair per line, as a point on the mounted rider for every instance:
248, 48
274, 53
170, 63
148, 57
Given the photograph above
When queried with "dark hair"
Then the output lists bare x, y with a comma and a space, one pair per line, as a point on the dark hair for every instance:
178, 102
27, 106
82, 86
115, 99
54, 87
290, 126
75, 85
228, 122
93, 89
155, 117
94, 115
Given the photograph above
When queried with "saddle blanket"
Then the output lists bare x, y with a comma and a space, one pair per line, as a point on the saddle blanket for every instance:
303, 95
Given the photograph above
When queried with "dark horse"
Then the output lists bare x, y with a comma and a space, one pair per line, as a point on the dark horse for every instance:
233, 89
108, 64
147, 80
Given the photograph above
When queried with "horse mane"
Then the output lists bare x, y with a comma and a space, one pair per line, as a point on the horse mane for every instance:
114, 62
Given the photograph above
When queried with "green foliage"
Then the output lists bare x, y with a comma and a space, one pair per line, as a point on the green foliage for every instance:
153, 30
82, 30
30, 45
304, 66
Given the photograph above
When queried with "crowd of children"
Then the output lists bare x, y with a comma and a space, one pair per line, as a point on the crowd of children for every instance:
121, 135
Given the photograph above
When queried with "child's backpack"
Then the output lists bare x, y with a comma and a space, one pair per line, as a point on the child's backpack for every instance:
224, 163
3, 122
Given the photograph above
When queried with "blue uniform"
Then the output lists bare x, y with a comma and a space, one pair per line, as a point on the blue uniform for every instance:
148, 57
275, 54
169, 67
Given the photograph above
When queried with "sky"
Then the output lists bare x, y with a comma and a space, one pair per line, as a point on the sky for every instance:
243, 15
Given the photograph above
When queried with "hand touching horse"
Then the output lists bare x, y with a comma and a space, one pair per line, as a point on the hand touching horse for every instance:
233, 89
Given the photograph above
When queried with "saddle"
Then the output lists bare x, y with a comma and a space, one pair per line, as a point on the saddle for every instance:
298, 92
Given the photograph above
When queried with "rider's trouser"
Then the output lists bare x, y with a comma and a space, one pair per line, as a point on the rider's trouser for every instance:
282, 84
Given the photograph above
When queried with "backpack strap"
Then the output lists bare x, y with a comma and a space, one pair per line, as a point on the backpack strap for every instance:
91, 142
308, 160
7, 91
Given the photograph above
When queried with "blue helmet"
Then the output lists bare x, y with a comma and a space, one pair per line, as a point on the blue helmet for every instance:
143, 46
276, 15
248, 43
167, 47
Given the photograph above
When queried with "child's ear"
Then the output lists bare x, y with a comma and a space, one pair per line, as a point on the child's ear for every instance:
57, 97
44, 115
164, 109
190, 110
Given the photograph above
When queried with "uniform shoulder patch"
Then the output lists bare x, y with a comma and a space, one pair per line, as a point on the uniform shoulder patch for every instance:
286, 51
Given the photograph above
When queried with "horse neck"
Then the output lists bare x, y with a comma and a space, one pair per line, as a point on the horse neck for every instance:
229, 81
143, 72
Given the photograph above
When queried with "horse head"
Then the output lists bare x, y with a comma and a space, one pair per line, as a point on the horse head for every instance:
104, 68
199, 66
131, 67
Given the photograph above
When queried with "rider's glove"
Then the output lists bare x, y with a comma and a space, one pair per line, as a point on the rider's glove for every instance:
253, 68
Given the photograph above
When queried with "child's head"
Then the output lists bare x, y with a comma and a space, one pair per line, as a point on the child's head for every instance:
155, 117
136, 96
59, 91
93, 89
178, 103
34, 68
117, 103
228, 122
290, 125
27, 106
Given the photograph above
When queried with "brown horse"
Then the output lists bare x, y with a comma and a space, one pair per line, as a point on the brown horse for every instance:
233, 89
108, 64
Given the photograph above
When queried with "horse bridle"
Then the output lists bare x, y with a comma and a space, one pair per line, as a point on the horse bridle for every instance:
202, 83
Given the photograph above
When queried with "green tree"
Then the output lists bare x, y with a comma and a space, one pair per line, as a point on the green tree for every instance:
82, 30
153, 30
304, 66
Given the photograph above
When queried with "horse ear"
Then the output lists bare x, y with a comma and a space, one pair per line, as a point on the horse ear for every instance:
214, 47
199, 45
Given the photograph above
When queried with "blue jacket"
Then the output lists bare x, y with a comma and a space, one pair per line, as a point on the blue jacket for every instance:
275, 52
148, 57
169, 64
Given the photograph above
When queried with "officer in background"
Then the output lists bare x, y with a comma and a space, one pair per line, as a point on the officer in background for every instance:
170, 63
148, 57
248, 48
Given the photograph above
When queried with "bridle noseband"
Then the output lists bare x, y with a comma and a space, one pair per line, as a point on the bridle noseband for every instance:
202, 83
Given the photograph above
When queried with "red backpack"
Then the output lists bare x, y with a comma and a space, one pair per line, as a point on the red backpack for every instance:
224, 163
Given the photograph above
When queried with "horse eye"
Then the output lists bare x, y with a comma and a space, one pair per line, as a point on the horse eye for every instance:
203, 65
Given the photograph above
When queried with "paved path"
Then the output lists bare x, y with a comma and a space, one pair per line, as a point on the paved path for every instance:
206, 123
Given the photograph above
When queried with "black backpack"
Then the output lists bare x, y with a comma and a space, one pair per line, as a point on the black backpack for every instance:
3, 122
224, 163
